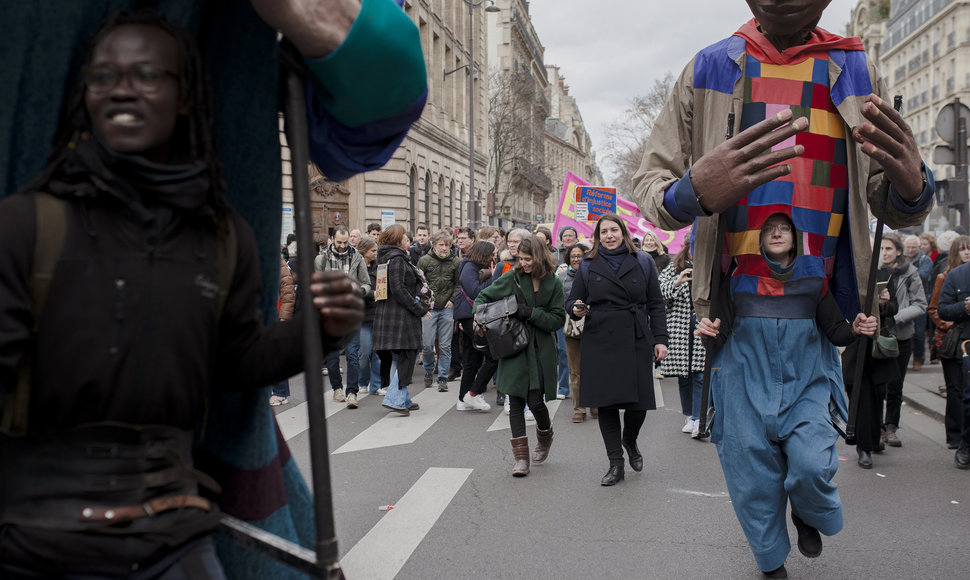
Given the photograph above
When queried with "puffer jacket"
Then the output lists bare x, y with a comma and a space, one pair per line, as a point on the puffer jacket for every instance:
693, 121
442, 276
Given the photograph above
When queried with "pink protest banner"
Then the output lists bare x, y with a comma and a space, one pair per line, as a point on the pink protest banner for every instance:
626, 209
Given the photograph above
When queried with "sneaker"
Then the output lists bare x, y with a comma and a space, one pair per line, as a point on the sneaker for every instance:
695, 430
962, 457
352, 401
499, 398
325, 372
428, 380
463, 406
657, 374
442, 387
892, 439
688, 426
560, 397
478, 402
528, 415
338, 395
508, 406
381, 391
276, 401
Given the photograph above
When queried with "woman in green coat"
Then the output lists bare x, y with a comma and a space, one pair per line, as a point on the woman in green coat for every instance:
530, 375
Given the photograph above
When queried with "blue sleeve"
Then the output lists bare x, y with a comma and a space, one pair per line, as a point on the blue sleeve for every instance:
363, 97
925, 198
951, 303
680, 201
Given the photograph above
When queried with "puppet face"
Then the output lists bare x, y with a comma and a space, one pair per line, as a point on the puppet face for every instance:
787, 17
138, 113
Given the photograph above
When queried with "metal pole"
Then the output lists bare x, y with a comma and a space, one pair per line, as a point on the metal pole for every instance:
960, 160
471, 115
325, 544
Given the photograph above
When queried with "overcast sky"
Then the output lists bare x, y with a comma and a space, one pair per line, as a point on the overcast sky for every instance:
611, 50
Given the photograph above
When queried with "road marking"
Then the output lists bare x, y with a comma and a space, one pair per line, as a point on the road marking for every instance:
394, 429
658, 394
387, 546
700, 493
295, 421
502, 421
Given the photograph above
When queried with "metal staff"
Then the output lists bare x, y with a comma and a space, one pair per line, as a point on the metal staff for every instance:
866, 345
704, 428
322, 561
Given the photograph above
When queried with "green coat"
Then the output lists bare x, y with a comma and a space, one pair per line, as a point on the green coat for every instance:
519, 374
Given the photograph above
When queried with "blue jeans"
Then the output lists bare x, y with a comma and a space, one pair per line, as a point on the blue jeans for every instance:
690, 394
397, 396
563, 363
282, 388
353, 365
369, 368
440, 326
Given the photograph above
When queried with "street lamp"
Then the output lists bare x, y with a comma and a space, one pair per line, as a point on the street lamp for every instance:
472, 74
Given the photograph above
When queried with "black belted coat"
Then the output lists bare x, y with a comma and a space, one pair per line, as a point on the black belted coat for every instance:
626, 319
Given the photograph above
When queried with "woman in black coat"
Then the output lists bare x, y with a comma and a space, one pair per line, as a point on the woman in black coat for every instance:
618, 291
397, 321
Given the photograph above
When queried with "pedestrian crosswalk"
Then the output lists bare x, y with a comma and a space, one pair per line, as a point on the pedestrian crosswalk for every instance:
393, 429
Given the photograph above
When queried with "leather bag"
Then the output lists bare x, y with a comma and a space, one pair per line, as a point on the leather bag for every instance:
505, 333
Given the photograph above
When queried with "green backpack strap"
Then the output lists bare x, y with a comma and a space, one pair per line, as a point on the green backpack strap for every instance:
51, 229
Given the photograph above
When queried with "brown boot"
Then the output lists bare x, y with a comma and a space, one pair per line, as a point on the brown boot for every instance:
543, 443
520, 450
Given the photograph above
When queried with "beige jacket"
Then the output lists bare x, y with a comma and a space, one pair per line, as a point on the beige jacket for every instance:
693, 122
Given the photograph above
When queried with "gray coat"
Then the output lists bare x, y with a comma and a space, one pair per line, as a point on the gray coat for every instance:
397, 321
910, 298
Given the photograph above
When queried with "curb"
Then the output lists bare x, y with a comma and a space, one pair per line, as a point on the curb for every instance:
924, 409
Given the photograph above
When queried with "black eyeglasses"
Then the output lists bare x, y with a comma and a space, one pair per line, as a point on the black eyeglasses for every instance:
783, 228
143, 78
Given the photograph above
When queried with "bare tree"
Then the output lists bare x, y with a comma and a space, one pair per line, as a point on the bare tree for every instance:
516, 133
627, 136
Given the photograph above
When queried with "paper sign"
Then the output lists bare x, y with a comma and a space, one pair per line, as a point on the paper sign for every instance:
582, 212
599, 201
380, 292
387, 218
626, 209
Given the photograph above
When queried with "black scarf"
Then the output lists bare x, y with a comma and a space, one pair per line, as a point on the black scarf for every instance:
614, 257
94, 168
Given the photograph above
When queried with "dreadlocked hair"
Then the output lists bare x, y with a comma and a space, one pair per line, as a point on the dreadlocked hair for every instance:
196, 130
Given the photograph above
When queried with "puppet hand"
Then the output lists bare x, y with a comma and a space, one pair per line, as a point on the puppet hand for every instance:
886, 138
316, 27
337, 296
659, 351
734, 168
863, 324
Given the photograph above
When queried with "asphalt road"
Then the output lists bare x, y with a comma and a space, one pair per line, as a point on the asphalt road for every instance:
459, 513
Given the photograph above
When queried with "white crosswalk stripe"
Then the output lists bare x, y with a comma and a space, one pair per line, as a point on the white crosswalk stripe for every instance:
394, 429
387, 546
295, 421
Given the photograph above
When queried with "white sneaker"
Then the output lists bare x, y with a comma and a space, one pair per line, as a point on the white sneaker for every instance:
561, 397
688, 425
381, 391
657, 374
508, 406
338, 395
695, 430
463, 406
528, 415
478, 402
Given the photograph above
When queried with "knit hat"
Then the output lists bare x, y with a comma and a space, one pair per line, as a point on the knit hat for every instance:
564, 228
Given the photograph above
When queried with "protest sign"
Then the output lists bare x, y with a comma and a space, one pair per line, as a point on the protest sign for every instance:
597, 201
380, 291
626, 209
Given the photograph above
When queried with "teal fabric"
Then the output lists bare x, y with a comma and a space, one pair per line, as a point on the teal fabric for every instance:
388, 87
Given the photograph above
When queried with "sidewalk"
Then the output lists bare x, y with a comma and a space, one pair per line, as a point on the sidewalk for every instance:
920, 390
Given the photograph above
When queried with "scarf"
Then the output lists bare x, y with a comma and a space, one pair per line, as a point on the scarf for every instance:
94, 167
614, 257
443, 257
819, 41
340, 262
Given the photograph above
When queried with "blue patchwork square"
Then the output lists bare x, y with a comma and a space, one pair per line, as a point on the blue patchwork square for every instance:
810, 220
752, 114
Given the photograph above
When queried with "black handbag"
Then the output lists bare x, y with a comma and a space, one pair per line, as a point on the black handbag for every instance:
951, 342
505, 333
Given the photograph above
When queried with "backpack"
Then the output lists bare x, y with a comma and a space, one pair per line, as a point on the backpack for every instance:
48, 246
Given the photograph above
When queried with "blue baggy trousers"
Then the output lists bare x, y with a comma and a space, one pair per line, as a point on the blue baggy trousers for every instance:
771, 383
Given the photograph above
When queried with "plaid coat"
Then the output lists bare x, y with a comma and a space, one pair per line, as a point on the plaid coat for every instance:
397, 321
684, 348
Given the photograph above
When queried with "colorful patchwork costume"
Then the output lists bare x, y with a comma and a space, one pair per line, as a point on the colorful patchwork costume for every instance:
773, 379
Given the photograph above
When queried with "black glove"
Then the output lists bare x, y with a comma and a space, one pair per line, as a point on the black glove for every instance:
523, 311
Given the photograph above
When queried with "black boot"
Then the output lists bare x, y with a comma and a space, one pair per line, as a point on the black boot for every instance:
615, 474
779, 572
865, 459
809, 539
636, 458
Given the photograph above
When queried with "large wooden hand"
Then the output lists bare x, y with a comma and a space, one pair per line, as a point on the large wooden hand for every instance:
886, 138
737, 166
315, 27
